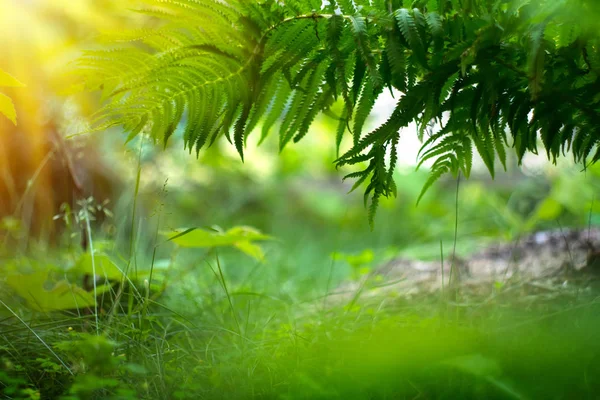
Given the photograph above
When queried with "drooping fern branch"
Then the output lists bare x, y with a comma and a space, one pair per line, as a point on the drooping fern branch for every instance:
490, 74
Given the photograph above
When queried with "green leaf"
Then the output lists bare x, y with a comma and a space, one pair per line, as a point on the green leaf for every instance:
104, 266
45, 295
7, 80
241, 237
251, 249
7, 108
548, 210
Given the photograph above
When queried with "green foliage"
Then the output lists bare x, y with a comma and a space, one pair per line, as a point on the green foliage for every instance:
101, 370
14, 387
485, 74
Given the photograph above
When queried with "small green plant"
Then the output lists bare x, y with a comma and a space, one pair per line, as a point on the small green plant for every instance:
15, 387
101, 371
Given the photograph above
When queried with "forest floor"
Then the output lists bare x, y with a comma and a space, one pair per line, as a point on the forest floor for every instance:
504, 329
519, 321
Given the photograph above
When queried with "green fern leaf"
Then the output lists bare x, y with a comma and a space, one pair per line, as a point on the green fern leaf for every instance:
365, 105
379, 135
373, 209
341, 128
450, 144
536, 61
239, 134
466, 154
354, 159
359, 28
317, 105
436, 27
408, 28
500, 150
360, 69
346, 7
433, 177
263, 101
484, 143
395, 55
284, 93
391, 183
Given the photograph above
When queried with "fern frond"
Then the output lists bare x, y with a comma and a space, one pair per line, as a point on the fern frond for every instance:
276, 108
360, 68
536, 61
222, 68
408, 28
436, 27
466, 156
309, 104
359, 29
339, 135
433, 177
379, 135
397, 59
484, 143
346, 7
391, 183
449, 144
365, 105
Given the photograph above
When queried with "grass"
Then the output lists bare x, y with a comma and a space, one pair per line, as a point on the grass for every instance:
212, 337
202, 324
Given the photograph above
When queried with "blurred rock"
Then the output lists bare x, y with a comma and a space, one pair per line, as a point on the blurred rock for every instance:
546, 255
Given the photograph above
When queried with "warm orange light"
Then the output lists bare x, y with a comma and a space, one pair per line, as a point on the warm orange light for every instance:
37, 40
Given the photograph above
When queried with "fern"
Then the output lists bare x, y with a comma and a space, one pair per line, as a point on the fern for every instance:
413, 36
213, 68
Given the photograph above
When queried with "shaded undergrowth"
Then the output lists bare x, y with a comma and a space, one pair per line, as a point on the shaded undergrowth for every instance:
220, 339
